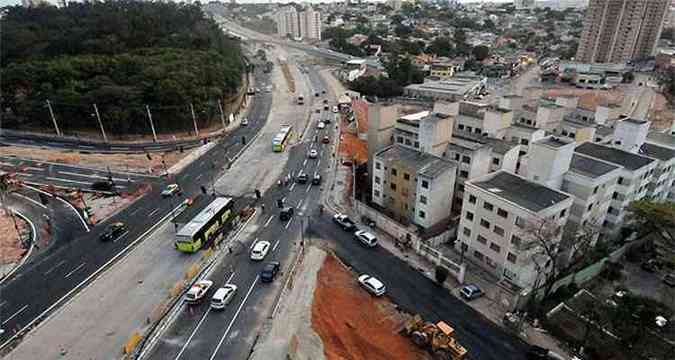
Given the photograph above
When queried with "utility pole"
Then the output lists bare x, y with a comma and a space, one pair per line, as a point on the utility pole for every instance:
152, 126
194, 119
100, 123
222, 115
51, 113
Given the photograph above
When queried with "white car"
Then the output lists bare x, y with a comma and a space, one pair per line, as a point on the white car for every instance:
260, 250
244, 122
223, 296
170, 190
373, 285
198, 290
321, 125
366, 238
313, 154
335, 109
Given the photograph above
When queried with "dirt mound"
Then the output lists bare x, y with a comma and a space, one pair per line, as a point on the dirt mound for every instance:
354, 325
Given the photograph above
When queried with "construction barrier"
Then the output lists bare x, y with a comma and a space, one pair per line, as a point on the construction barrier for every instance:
132, 342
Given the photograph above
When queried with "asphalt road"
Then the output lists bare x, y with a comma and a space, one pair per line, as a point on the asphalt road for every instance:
40, 173
40, 285
201, 333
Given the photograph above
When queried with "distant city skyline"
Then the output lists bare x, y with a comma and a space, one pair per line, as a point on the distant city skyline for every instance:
18, 2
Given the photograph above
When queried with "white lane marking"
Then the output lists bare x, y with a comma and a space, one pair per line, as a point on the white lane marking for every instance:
292, 187
201, 321
68, 180
15, 314
309, 187
153, 212
74, 270
269, 220
198, 176
288, 223
54, 267
3, 303
31, 200
84, 223
304, 163
275, 246
93, 176
119, 148
300, 203
86, 146
234, 318
135, 211
32, 168
318, 163
121, 236
253, 243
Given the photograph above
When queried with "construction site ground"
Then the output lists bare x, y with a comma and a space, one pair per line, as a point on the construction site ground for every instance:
10, 244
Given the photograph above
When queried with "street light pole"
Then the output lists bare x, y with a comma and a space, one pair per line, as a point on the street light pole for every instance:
51, 113
152, 126
100, 123
222, 115
194, 119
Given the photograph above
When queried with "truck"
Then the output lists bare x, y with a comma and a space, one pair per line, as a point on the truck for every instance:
438, 339
344, 222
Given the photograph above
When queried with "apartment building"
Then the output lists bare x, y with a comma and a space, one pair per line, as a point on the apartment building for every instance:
633, 183
663, 180
496, 210
664, 140
424, 131
480, 119
305, 24
617, 31
414, 187
310, 24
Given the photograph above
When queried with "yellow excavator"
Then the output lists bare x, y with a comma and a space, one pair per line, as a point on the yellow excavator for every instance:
437, 338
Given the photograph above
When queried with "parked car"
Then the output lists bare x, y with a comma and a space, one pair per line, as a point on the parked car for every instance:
326, 140
321, 125
471, 291
244, 122
326, 108
669, 279
170, 190
323, 92
260, 250
651, 265
366, 238
113, 231
372, 285
316, 94
198, 291
537, 353
316, 180
344, 222
318, 110
302, 178
223, 296
270, 271
335, 109
286, 213
313, 154
325, 101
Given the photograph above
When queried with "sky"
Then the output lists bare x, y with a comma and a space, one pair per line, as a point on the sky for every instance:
16, 2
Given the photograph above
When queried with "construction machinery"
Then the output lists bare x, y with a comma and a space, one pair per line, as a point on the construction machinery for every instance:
438, 338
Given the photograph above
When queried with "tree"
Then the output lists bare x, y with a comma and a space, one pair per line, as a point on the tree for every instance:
441, 274
481, 52
542, 238
656, 218
440, 46
403, 31
489, 25
461, 47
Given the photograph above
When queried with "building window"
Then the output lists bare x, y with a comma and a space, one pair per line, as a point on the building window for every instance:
457, 157
425, 184
399, 139
406, 176
464, 174
393, 186
615, 195
495, 161
477, 130
466, 159
465, 247
393, 172
460, 188
511, 258
484, 223
408, 142
488, 206
477, 254
422, 214
469, 128
376, 193
423, 199
377, 179
524, 142
469, 215
501, 212
516, 241
378, 165
563, 213
460, 127
466, 231
520, 222
496, 248
620, 181
417, 144
481, 239
472, 199
499, 231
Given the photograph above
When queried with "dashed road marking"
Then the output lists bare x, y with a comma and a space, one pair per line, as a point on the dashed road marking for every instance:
54, 267
153, 212
15, 314
269, 220
288, 223
275, 246
74, 270
292, 187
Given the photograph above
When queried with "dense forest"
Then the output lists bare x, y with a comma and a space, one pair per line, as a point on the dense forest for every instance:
120, 55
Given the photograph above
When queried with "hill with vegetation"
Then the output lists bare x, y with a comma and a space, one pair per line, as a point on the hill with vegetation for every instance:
121, 55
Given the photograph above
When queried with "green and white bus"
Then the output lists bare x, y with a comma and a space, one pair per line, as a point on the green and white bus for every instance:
206, 226
281, 139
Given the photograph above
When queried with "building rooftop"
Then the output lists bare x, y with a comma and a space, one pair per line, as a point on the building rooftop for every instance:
553, 141
661, 138
524, 193
624, 158
522, 127
459, 86
590, 167
425, 164
636, 121
657, 152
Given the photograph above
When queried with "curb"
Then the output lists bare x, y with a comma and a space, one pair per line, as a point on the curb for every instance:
30, 250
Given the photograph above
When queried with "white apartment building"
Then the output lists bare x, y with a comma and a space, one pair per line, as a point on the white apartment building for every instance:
663, 180
496, 209
480, 119
287, 22
414, 187
305, 24
665, 140
310, 24
633, 182
424, 131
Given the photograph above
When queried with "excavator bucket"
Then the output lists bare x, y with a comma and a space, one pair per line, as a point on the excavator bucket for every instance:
413, 324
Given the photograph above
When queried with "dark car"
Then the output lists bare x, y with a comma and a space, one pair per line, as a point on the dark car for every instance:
323, 92
302, 178
316, 180
326, 108
113, 231
651, 265
537, 353
325, 140
471, 291
325, 101
286, 213
270, 271
316, 94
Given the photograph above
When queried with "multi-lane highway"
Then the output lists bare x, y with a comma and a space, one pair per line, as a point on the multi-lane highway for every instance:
46, 283
199, 332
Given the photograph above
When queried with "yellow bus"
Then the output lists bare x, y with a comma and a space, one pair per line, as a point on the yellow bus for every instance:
206, 226
281, 139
